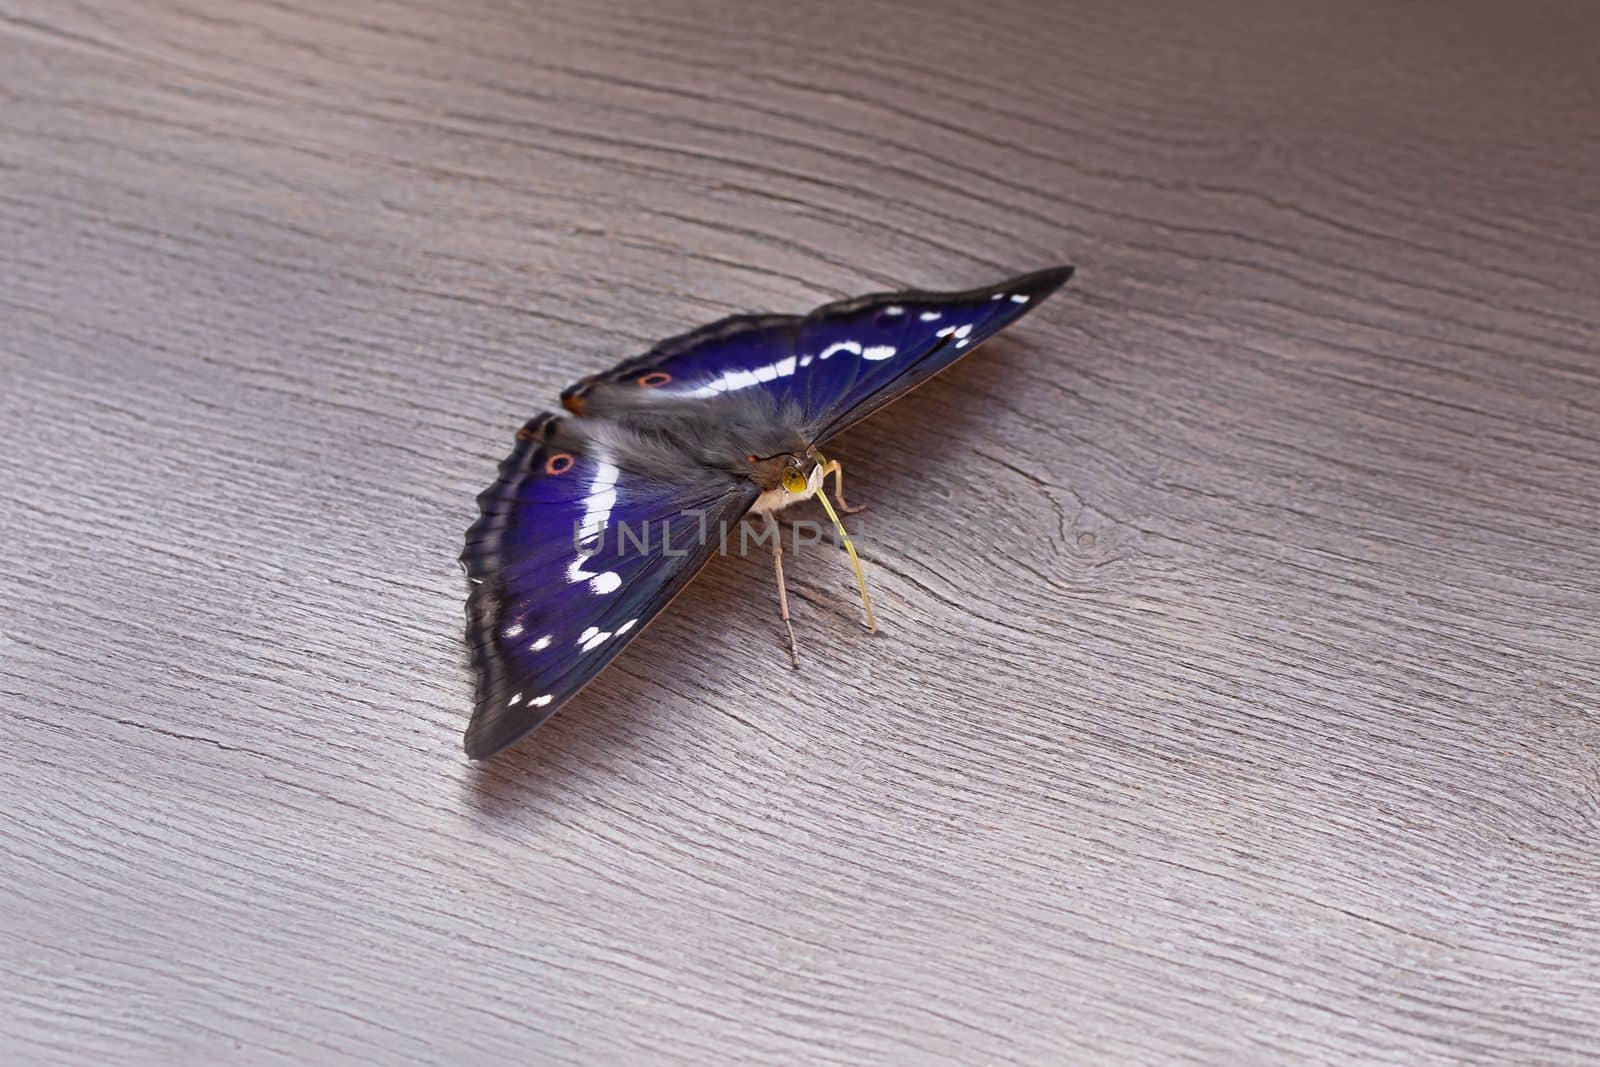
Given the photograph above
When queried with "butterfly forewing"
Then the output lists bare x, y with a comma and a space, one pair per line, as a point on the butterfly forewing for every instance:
827, 369
571, 556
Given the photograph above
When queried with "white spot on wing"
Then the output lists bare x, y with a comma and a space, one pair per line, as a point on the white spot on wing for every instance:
625, 627
539, 702
540, 645
596, 514
1019, 298
514, 701
963, 331
929, 316
894, 309
878, 352
597, 506
739, 378
599, 638
840, 346
514, 630
609, 582
946, 331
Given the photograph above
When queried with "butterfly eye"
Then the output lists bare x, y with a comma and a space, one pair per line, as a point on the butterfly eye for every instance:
654, 378
794, 481
559, 463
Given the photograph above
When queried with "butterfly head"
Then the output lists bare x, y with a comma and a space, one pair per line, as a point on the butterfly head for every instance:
786, 478
801, 475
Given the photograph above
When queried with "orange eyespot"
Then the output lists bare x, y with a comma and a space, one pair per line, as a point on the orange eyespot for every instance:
654, 378
559, 463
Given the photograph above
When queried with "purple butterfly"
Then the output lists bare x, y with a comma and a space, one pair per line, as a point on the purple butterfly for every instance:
601, 516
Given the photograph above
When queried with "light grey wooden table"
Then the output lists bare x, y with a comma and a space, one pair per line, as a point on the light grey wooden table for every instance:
1269, 732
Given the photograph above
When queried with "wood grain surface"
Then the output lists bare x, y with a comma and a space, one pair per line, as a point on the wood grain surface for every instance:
1267, 730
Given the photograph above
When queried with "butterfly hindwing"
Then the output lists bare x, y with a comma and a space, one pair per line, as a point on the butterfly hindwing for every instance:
571, 556
830, 368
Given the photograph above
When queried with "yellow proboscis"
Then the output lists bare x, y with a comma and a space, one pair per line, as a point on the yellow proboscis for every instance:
855, 560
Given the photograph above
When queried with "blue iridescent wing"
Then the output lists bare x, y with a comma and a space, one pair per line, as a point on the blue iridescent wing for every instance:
830, 368
570, 557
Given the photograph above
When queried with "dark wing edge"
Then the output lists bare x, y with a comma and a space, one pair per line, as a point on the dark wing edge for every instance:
1039, 283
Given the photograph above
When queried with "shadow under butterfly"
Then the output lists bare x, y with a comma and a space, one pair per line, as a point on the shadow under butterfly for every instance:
601, 516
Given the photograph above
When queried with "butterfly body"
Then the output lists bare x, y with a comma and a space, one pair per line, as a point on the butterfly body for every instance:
603, 513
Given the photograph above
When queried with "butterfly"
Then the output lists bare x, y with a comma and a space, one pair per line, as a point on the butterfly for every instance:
603, 513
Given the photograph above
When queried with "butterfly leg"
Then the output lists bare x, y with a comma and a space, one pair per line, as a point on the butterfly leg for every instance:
833, 467
783, 595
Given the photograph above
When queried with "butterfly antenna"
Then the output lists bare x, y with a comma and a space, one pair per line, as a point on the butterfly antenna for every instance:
855, 560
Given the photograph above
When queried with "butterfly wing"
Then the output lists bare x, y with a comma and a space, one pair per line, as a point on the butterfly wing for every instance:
571, 556
830, 368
